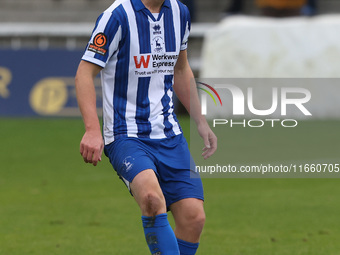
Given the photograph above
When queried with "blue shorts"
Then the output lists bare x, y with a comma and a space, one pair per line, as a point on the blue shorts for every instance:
169, 158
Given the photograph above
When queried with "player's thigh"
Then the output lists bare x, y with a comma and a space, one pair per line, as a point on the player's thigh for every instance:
147, 192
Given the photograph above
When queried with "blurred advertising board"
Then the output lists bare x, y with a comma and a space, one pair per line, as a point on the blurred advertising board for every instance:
40, 83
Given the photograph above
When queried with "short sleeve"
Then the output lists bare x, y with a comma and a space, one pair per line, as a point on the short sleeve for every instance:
186, 27
104, 41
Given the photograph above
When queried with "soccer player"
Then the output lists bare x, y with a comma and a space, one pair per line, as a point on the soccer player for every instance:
139, 46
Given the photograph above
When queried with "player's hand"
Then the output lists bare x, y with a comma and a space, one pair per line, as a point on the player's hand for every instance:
209, 138
91, 147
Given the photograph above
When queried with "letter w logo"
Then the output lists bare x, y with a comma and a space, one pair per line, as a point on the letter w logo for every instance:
142, 61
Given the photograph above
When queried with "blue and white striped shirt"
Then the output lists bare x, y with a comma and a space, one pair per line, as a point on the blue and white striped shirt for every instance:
138, 53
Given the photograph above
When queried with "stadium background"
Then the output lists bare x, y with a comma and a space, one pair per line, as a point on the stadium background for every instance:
52, 203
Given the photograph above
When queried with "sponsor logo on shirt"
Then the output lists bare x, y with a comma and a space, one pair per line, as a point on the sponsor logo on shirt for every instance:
98, 45
149, 64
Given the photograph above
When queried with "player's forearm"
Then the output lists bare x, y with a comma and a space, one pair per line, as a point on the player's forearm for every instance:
86, 97
186, 91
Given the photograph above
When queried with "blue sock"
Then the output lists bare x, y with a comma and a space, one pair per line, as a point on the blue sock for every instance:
187, 248
159, 235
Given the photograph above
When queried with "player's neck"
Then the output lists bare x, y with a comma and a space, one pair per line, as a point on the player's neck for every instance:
154, 6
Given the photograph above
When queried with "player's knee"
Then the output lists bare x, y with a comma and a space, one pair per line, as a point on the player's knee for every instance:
194, 221
153, 204
198, 221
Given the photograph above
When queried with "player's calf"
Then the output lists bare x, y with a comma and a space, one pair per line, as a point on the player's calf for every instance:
159, 235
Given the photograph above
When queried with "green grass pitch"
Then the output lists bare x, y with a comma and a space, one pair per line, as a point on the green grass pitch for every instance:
53, 203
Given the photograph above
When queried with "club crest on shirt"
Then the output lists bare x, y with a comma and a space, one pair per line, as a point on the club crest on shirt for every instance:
157, 44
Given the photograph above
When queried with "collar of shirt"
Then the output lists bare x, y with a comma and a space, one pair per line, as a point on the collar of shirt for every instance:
138, 5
